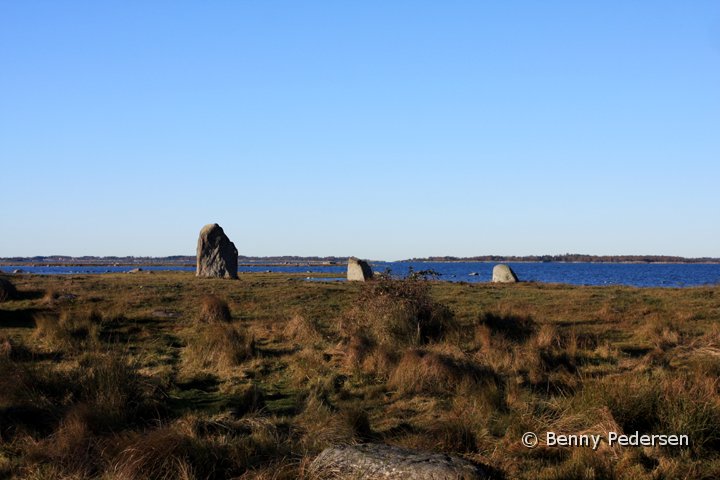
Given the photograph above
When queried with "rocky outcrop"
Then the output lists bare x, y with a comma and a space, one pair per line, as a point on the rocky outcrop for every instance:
358, 270
503, 274
216, 254
374, 461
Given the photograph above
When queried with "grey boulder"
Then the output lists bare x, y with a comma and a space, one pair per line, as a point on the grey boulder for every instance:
503, 274
375, 461
216, 255
358, 270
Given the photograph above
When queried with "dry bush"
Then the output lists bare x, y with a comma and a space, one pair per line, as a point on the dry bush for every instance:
398, 313
219, 345
214, 310
7, 290
428, 372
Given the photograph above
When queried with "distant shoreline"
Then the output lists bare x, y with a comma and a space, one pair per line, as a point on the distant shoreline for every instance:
189, 261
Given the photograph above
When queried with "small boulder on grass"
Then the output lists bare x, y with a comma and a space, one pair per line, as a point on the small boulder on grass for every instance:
503, 274
358, 270
371, 460
7, 290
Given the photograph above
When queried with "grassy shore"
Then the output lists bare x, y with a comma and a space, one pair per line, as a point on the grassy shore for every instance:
162, 375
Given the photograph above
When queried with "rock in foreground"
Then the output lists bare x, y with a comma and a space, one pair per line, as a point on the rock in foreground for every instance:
503, 274
358, 270
374, 461
216, 254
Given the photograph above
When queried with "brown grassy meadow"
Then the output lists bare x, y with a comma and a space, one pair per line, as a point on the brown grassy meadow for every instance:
165, 376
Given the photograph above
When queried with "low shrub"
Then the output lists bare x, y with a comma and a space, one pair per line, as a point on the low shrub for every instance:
399, 313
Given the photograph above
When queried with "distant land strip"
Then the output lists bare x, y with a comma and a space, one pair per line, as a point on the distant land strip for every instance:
189, 260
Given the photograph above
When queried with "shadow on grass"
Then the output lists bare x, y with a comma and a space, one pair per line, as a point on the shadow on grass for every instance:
18, 318
30, 294
516, 328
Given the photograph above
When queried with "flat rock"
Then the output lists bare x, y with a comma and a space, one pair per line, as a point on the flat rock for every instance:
358, 270
216, 254
503, 274
375, 461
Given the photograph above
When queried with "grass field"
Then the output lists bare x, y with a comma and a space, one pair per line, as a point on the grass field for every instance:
164, 376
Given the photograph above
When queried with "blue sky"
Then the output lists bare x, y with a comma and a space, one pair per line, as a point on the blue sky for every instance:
384, 130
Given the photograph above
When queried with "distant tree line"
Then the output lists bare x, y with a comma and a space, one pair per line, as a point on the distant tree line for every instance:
572, 257
169, 260
293, 259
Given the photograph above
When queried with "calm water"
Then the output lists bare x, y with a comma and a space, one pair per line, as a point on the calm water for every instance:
639, 275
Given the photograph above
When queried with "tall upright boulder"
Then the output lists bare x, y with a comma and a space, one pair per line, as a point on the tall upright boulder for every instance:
216, 254
358, 270
503, 274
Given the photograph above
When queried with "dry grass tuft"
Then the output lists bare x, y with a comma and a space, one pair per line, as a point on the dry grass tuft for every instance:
162, 453
323, 425
218, 345
302, 330
68, 332
427, 372
214, 310
661, 333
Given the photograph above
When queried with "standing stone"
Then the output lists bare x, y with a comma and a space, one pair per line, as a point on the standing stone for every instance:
216, 254
358, 270
503, 274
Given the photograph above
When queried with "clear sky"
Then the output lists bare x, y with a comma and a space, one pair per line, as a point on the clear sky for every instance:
379, 129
